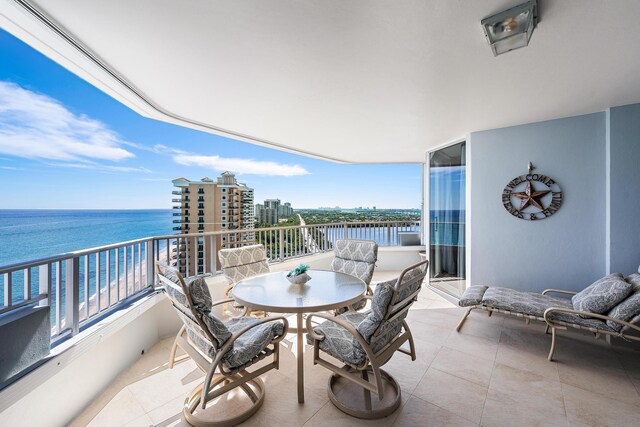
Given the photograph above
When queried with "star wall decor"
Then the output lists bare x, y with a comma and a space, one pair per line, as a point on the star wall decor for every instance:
534, 203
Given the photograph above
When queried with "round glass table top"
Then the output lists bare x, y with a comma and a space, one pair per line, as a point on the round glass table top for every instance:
273, 292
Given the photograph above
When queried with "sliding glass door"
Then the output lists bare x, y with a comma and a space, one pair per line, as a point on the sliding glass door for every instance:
447, 200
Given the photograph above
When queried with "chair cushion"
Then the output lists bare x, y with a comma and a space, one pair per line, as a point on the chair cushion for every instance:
252, 342
591, 323
602, 295
338, 342
241, 263
379, 305
375, 324
359, 269
234, 257
472, 296
356, 250
355, 257
529, 303
628, 308
202, 301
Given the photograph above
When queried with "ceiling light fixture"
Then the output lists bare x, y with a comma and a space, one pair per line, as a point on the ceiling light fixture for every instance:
512, 28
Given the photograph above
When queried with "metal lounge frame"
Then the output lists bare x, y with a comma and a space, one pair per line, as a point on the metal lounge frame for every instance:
358, 376
207, 391
554, 324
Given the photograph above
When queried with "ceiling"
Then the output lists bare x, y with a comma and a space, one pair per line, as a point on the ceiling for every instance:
358, 81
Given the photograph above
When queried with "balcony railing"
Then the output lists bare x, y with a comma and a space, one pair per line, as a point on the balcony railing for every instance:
84, 286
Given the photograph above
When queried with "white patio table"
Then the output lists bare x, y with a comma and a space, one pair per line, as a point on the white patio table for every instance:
272, 292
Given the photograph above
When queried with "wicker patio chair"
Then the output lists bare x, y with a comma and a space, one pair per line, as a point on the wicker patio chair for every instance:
364, 342
222, 350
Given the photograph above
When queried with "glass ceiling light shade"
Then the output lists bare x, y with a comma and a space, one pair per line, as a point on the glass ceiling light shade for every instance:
512, 28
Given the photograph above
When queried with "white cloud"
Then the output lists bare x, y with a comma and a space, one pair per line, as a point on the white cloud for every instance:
240, 166
100, 167
36, 126
10, 168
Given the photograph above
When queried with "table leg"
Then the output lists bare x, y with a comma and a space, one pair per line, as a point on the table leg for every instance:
300, 359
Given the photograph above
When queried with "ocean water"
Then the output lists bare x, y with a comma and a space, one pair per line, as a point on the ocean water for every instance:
27, 235
33, 234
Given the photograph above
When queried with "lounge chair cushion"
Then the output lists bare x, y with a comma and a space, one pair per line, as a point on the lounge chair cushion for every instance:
472, 296
628, 308
338, 342
515, 301
589, 323
252, 342
602, 295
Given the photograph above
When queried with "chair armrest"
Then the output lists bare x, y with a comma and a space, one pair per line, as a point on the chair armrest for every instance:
559, 291
230, 300
346, 325
549, 311
222, 301
229, 343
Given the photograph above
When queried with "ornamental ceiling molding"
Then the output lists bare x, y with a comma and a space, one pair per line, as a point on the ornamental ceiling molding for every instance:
532, 196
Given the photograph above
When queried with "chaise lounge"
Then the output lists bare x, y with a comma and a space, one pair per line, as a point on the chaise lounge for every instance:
610, 306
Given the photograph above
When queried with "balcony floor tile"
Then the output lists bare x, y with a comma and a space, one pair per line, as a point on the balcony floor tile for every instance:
494, 372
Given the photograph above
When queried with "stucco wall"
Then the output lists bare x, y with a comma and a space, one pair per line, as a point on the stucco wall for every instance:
566, 250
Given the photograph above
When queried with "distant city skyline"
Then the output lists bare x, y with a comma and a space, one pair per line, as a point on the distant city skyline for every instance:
66, 145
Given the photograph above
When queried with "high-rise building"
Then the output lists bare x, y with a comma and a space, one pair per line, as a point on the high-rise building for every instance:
285, 210
271, 211
206, 206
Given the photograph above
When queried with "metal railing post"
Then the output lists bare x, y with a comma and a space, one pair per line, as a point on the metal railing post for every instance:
72, 295
214, 255
346, 231
44, 283
8, 289
150, 256
281, 243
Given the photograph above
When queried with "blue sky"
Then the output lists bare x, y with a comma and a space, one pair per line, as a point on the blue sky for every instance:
65, 144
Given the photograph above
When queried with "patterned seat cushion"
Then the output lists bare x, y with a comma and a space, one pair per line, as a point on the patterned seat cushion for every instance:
591, 323
252, 342
201, 298
472, 296
529, 303
241, 263
338, 342
357, 258
379, 306
628, 308
372, 325
602, 295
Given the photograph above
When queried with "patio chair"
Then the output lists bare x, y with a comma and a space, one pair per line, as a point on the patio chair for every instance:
227, 348
241, 263
357, 258
608, 307
364, 342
